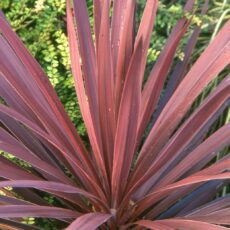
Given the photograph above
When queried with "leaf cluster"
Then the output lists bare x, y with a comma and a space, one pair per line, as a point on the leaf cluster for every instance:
151, 161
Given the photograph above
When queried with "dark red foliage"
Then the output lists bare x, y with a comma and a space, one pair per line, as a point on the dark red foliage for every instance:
164, 181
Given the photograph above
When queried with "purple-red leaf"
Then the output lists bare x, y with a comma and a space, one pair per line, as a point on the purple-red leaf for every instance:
79, 86
158, 75
12, 211
85, 73
44, 85
207, 150
125, 138
213, 206
59, 189
173, 224
145, 30
181, 67
89, 221
105, 77
122, 44
171, 154
158, 194
86, 179
210, 63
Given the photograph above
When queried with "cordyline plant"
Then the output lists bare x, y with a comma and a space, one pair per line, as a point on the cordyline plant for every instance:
124, 181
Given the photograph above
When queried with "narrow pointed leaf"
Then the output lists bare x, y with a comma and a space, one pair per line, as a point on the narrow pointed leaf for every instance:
125, 138
87, 55
43, 83
14, 211
182, 138
215, 58
106, 101
85, 177
216, 217
179, 224
153, 197
124, 45
208, 149
79, 83
89, 221
213, 206
158, 74
145, 30
180, 69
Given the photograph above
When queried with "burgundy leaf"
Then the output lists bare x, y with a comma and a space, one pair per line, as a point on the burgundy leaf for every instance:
89, 221
12, 211
79, 84
153, 197
45, 86
11, 145
215, 58
81, 172
125, 138
158, 74
58, 189
122, 180
209, 147
216, 217
106, 88
122, 45
178, 224
182, 138
213, 206
87, 55
180, 68
145, 30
